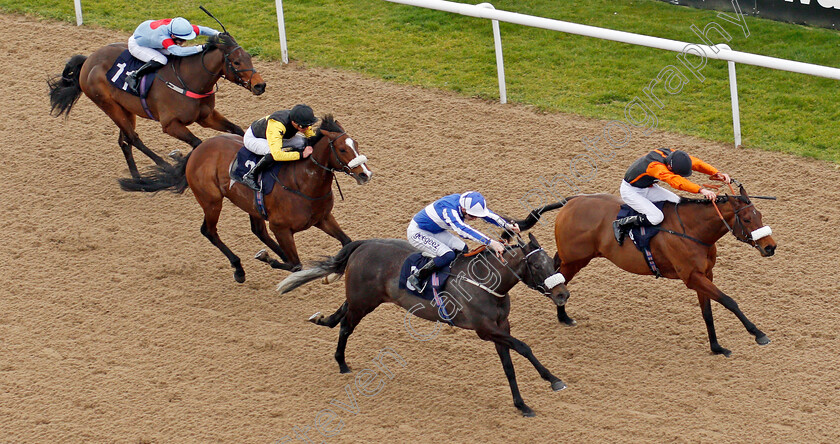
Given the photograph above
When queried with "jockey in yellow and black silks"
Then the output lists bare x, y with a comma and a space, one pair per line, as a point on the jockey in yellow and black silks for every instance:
273, 137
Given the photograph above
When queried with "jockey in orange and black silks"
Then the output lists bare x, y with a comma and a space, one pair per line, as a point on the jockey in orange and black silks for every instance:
153, 40
639, 188
273, 137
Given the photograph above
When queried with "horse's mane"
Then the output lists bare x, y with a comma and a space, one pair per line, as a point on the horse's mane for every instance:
220, 40
328, 123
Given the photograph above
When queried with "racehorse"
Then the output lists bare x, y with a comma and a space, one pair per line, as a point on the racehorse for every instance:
685, 249
182, 92
302, 197
372, 270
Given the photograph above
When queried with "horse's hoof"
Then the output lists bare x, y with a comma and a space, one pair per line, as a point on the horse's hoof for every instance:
558, 385
316, 317
262, 255
176, 154
330, 278
763, 340
344, 370
722, 351
527, 411
570, 322
239, 276
296, 268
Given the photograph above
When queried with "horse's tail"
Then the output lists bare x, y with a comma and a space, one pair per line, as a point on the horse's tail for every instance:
334, 264
161, 177
534, 216
65, 89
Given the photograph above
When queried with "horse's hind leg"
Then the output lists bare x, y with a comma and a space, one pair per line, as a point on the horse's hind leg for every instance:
126, 122
332, 320
351, 319
212, 206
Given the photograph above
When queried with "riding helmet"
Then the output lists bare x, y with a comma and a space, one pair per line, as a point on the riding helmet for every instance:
302, 115
182, 28
679, 162
473, 204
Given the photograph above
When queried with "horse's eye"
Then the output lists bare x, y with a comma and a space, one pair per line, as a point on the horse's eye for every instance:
236, 63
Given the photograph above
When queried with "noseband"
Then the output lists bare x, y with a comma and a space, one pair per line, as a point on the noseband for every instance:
543, 287
229, 65
345, 167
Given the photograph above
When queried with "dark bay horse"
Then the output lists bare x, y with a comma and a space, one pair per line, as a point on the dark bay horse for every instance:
583, 231
196, 74
302, 198
372, 269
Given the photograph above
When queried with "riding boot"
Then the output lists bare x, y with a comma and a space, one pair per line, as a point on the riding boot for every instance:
133, 79
625, 224
249, 178
418, 279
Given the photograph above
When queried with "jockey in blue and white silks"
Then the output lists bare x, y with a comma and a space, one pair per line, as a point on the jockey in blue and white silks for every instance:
153, 40
429, 231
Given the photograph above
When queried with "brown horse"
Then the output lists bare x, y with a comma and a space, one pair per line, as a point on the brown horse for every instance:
476, 295
194, 75
301, 198
684, 250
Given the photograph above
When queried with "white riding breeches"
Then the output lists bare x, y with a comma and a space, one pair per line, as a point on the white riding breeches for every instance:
641, 200
145, 53
433, 244
255, 144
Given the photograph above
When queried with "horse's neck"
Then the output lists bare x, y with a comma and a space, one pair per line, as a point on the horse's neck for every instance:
486, 269
703, 221
201, 75
316, 178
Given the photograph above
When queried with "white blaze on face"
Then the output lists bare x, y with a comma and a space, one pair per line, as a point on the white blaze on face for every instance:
359, 159
761, 232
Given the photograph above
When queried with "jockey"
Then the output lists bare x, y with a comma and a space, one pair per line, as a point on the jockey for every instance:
273, 138
639, 189
153, 40
428, 231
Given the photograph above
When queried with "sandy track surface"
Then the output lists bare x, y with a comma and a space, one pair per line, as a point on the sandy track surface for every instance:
119, 322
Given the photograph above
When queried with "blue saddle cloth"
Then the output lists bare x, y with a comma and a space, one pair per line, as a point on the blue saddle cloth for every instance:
437, 281
245, 160
641, 235
125, 64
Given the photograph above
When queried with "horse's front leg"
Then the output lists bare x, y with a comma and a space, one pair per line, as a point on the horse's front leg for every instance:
706, 292
180, 131
286, 241
215, 120
330, 226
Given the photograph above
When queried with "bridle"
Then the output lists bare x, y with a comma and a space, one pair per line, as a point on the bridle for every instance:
229, 67
346, 168
745, 236
541, 287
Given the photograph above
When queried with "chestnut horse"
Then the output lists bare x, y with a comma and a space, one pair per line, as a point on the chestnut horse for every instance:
684, 250
476, 295
195, 75
301, 198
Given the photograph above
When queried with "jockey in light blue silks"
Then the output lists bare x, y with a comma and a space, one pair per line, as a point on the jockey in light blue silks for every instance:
429, 231
153, 40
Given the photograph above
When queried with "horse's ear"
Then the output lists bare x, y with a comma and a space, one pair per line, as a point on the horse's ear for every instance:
533, 240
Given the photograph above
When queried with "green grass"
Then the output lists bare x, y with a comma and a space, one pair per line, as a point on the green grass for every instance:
780, 111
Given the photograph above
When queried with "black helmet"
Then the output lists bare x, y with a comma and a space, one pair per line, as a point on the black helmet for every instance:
679, 162
302, 115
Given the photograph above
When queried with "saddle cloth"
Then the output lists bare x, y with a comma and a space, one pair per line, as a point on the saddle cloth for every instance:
437, 280
125, 64
642, 235
245, 160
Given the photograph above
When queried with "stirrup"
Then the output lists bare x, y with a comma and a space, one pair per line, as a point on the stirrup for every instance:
415, 283
250, 183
